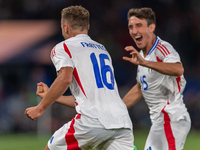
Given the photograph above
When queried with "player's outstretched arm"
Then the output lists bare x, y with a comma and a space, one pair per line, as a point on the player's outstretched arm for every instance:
57, 89
133, 96
173, 69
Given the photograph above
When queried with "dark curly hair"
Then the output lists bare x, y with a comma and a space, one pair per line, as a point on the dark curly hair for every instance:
143, 13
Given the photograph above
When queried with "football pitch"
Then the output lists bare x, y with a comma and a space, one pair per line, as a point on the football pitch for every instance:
30, 141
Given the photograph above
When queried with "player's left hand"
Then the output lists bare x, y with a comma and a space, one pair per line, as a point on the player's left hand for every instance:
33, 112
42, 89
136, 57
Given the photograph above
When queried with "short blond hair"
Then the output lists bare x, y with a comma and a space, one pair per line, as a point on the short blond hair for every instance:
76, 16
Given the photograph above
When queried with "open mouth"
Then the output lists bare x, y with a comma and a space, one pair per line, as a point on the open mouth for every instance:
138, 38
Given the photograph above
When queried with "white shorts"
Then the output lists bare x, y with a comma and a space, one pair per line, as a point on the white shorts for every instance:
76, 136
167, 135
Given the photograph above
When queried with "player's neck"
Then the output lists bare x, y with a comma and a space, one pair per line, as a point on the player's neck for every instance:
149, 45
79, 32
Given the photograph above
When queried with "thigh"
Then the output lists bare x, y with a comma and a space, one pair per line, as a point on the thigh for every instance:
75, 135
167, 135
69, 136
57, 141
180, 130
156, 139
122, 140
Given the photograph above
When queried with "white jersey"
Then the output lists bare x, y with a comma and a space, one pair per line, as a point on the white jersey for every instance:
93, 85
162, 91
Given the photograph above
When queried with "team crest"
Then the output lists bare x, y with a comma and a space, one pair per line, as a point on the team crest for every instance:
150, 70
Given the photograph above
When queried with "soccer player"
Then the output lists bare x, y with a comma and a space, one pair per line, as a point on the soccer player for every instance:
160, 81
84, 65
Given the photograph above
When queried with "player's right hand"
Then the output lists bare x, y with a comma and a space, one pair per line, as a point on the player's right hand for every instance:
136, 57
42, 89
33, 112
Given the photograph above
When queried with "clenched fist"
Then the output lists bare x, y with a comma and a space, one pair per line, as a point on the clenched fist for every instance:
34, 112
42, 89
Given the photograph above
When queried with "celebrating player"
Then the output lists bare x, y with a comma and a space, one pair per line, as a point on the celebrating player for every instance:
160, 81
84, 65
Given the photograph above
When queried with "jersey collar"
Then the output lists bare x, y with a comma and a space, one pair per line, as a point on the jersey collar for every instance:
154, 46
82, 35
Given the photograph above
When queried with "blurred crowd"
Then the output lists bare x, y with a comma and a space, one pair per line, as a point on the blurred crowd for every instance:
177, 22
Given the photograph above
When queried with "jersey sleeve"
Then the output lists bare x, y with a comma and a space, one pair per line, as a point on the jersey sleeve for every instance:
60, 57
166, 53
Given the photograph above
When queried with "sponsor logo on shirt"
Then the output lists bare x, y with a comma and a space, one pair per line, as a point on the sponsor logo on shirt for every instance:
57, 62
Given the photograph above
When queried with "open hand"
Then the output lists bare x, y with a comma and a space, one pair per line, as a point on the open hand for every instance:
136, 57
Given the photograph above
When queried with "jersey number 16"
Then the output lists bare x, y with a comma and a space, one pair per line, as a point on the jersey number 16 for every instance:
101, 73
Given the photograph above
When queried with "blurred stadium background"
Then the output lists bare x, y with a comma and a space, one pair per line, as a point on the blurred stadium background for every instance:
29, 29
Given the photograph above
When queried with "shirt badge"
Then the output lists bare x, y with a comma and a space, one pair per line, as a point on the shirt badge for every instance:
150, 70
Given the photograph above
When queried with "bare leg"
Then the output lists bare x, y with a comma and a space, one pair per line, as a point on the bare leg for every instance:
47, 148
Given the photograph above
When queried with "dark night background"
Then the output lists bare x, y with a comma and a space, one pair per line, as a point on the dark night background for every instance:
29, 29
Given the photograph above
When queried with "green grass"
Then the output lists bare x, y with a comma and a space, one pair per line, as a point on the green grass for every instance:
192, 141
23, 142
29, 141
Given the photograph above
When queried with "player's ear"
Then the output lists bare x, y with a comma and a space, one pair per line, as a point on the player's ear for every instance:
152, 27
66, 28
